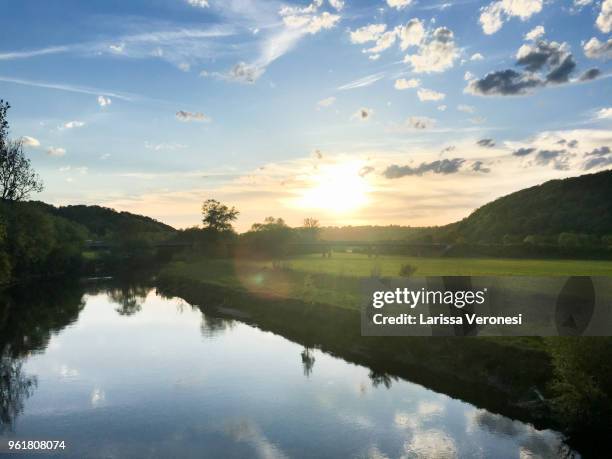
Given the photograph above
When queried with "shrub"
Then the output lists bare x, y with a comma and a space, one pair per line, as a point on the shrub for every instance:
407, 270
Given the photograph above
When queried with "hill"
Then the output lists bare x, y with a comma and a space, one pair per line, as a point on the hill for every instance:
102, 221
581, 205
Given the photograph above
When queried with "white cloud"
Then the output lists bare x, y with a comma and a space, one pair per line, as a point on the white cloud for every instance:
411, 34
184, 66
492, 16
399, 4
324, 21
117, 49
442, 108
245, 73
287, 10
476, 57
56, 151
104, 101
79, 170
466, 108
185, 116
467, 76
437, 53
581, 3
199, 3
426, 95
374, 57
384, 42
362, 82
33, 53
595, 49
73, 124
420, 122
604, 113
164, 146
305, 18
28, 141
535, 34
337, 4
402, 83
327, 102
363, 114
367, 33
604, 19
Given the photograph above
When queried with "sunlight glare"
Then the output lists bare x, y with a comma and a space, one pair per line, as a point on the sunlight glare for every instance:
337, 188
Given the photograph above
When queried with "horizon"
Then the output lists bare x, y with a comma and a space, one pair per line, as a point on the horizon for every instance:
351, 112
248, 226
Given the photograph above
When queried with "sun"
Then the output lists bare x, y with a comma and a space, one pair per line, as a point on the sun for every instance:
337, 188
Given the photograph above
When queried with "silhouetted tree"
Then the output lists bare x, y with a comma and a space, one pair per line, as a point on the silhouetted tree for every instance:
311, 228
17, 178
217, 216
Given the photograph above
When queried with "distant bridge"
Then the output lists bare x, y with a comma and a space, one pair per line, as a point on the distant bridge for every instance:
313, 247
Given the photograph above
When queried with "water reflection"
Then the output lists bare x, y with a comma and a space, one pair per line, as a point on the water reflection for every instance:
129, 298
212, 326
15, 388
117, 370
381, 378
308, 361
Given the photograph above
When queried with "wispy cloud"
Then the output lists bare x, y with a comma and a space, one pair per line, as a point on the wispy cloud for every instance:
33, 53
362, 82
70, 88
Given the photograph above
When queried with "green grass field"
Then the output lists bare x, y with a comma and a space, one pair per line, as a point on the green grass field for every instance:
359, 265
336, 281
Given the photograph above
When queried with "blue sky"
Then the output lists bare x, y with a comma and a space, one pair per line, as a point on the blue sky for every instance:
353, 112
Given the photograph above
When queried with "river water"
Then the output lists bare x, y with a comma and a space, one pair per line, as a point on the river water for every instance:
123, 372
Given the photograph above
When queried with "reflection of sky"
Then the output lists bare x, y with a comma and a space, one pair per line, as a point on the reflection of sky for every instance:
165, 383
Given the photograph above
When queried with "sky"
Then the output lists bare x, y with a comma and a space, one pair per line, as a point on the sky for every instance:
379, 112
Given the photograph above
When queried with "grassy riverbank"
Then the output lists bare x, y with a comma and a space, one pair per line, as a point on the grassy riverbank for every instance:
314, 301
336, 281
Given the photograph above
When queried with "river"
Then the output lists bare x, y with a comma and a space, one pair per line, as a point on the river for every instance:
120, 371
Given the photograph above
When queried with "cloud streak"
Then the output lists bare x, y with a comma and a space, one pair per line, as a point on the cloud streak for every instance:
71, 88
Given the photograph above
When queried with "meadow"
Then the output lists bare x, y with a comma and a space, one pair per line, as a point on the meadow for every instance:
360, 265
336, 281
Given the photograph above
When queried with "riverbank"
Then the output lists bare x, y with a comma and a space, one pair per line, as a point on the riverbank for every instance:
500, 374
532, 379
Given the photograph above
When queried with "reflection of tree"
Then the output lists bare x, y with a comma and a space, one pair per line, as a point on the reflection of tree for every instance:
28, 317
308, 361
379, 378
129, 298
15, 387
212, 326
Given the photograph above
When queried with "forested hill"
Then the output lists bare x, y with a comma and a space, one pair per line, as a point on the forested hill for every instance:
40, 240
581, 205
102, 221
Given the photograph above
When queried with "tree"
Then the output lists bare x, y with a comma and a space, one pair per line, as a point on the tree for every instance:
4, 126
17, 178
310, 229
311, 223
568, 240
217, 216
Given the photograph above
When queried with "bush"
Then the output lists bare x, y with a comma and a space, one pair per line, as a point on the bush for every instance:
407, 270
